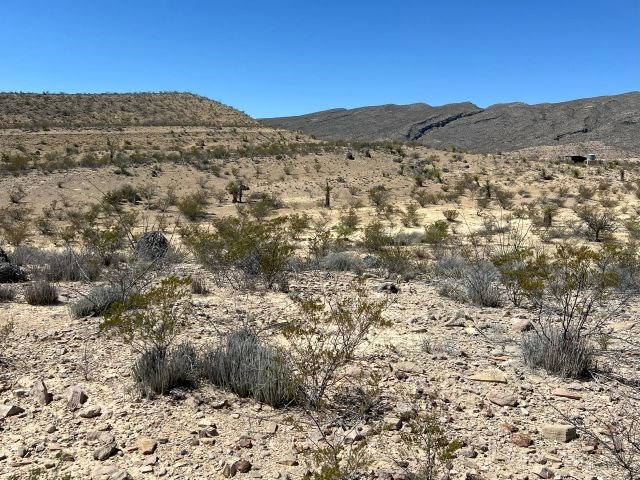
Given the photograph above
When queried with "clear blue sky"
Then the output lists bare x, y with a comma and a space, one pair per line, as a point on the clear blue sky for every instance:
272, 58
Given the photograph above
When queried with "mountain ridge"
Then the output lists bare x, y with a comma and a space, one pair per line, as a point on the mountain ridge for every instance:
613, 120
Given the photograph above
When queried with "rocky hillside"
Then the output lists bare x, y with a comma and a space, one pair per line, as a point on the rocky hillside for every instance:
613, 120
35, 110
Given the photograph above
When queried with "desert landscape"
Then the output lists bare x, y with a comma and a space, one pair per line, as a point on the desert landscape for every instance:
187, 292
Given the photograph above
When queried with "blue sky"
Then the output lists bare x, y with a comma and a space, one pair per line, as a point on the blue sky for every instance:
293, 57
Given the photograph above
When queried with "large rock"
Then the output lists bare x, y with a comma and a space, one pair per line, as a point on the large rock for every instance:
559, 432
152, 246
76, 397
10, 273
40, 393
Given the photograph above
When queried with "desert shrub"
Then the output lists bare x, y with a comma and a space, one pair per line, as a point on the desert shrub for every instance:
7, 294
67, 265
97, 301
124, 194
597, 222
159, 370
342, 262
397, 260
410, 216
10, 273
262, 204
151, 319
379, 197
324, 337
451, 215
41, 292
408, 238
482, 283
199, 285
243, 364
243, 251
193, 206
15, 224
152, 246
17, 194
567, 353
437, 233
566, 290
425, 197
504, 198
585, 193
375, 237
348, 223
425, 435
298, 224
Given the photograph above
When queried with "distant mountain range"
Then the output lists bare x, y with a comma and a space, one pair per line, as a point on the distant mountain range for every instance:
613, 120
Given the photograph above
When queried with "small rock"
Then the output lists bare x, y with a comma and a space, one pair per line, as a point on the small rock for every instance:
242, 465
147, 446
561, 392
105, 452
491, 376
91, 412
523, 325
544, 472
245, 442
10, 410
521, 439
504, 399
559, 432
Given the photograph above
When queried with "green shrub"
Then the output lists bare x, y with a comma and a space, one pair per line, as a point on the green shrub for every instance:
193, 206
451, 215
324, 337
152, 319
376, 237
437, 233
243, 251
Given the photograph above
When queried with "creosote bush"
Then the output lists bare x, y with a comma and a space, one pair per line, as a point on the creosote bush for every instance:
151, 319
242, 251
325, 335
243, 364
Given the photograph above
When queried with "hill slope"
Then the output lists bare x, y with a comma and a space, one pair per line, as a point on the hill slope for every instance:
613, 120
36, 110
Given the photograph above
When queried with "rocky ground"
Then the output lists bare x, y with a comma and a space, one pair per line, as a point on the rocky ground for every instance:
510, 419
